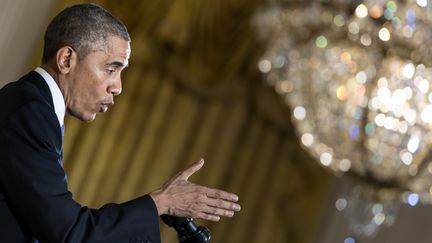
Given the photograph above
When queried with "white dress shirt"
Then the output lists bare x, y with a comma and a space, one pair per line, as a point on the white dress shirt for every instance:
57, 96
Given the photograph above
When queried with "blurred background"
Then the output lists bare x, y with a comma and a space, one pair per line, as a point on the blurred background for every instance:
235, 82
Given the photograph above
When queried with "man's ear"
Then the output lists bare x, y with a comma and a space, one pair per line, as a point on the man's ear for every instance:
66, 58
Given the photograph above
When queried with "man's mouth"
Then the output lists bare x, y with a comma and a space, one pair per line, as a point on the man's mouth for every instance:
104, 106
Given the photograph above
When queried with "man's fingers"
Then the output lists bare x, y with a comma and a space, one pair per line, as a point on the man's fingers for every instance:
209, 217
219, 194
218, 211
213, 214
225, 205
198, 201
185, 174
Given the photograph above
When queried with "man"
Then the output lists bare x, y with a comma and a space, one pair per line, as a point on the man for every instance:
85, 50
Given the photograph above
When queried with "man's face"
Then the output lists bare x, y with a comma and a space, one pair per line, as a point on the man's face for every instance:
95, 80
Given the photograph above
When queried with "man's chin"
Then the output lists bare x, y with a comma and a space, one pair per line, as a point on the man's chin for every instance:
90, 119
84, 117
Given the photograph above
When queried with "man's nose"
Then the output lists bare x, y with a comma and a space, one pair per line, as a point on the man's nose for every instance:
116, 88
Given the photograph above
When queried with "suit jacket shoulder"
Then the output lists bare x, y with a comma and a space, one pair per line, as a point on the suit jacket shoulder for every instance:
30, 88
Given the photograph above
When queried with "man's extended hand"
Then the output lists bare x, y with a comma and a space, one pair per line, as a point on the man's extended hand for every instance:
179, 197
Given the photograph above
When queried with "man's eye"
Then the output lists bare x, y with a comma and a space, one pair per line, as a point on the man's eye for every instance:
110, 71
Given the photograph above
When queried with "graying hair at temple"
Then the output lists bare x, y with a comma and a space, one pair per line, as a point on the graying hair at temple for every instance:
84, 27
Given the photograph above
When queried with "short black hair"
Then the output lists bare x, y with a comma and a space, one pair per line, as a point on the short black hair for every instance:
84, 27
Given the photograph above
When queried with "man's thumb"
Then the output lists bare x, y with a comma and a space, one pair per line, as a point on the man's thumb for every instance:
185, 174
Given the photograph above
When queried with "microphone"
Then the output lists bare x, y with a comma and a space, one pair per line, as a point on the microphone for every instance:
187, 230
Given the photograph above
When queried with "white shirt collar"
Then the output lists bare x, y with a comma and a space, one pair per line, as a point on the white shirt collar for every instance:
57, 96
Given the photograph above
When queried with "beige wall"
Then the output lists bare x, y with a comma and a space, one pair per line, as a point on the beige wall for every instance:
22, 26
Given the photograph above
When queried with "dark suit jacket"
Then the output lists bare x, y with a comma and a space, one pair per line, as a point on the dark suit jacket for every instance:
34, 200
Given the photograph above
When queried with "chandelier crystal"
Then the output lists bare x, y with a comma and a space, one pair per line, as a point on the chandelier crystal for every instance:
357, 76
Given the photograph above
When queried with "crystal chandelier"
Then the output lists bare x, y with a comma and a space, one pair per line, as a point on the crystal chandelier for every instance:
357, 76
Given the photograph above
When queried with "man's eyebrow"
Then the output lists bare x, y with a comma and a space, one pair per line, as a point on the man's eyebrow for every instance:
117, 64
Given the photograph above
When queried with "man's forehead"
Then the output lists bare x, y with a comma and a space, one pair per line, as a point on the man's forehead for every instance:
113, 52
118, 44
118, 50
